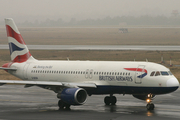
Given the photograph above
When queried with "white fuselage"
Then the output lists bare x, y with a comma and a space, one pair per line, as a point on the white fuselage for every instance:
102, 73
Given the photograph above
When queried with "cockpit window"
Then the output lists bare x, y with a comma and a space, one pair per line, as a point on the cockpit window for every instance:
170, 72
164, 73
157, 73
152, 74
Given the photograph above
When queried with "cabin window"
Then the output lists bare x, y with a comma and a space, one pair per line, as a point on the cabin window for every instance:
112, 73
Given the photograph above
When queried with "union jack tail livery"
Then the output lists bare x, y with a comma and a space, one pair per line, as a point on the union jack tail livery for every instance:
18, 49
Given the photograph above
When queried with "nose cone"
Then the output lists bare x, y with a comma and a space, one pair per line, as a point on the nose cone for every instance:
172, 82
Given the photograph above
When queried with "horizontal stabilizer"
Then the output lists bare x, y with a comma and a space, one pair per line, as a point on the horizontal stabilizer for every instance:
13, 69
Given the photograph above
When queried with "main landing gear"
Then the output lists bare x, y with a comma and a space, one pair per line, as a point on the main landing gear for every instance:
150, 105
110, 100
63, 106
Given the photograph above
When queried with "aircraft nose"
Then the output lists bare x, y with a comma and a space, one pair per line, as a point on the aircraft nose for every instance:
172, 82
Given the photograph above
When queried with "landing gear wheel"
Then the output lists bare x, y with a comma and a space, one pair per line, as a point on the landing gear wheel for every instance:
113, 100
150, 106
107, 100
67, 106
110, 100
62, 105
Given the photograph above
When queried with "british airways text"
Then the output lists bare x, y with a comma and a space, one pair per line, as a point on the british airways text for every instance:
116, 78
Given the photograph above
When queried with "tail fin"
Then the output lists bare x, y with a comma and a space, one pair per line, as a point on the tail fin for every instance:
18, 49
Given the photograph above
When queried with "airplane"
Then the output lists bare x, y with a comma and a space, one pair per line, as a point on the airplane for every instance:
74, 81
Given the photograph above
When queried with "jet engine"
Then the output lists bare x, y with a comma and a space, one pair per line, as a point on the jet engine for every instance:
73, 96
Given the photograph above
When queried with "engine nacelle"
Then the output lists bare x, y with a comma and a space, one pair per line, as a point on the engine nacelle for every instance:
143, 97
73, 96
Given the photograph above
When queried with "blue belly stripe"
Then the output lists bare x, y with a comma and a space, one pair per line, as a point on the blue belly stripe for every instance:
132, 90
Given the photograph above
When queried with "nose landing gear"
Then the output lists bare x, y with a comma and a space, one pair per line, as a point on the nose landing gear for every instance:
150, 105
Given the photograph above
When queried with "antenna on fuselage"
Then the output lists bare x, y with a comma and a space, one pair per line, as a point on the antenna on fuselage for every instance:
170, 62
146, 60
67, 58
162, 60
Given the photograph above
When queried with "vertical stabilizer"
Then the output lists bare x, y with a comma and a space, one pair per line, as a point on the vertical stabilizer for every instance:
18, 49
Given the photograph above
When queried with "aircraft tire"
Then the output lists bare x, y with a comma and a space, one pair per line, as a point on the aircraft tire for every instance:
107, 100
113, 100
61, 104
150, 106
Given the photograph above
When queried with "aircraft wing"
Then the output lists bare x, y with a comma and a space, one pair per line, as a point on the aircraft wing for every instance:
48, 83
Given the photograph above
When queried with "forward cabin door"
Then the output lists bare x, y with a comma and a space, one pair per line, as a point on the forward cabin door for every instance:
139, 74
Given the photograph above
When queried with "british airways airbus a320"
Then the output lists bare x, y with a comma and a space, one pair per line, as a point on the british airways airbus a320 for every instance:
73, 81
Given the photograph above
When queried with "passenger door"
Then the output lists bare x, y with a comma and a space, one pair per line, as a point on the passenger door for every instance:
139, 74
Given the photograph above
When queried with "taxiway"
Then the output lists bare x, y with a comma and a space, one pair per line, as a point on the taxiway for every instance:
19, 103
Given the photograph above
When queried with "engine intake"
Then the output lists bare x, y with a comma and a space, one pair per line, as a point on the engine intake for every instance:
73, 96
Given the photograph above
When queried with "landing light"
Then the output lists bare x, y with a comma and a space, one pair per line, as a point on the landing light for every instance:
148, 100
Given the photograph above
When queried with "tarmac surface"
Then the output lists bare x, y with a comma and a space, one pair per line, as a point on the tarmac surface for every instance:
99, 47
19, 103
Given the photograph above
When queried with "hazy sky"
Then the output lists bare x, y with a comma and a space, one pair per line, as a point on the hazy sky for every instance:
31, 10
